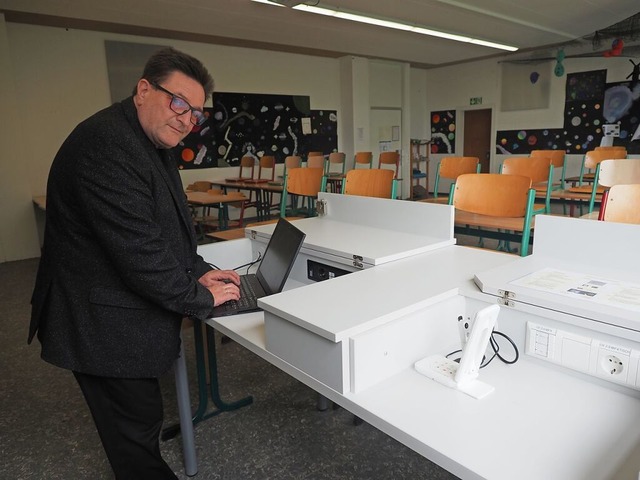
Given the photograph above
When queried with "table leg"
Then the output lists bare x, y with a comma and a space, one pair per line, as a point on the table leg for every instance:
204, 393
184, 410
223, 216
260, 207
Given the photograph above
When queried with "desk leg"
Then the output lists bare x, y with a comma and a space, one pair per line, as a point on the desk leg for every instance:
260, 210
184, 410
221, 406
223, 216
204, 392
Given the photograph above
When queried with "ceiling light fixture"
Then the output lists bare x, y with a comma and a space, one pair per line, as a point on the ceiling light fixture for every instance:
355, 17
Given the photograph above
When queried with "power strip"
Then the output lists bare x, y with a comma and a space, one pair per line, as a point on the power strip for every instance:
443, 371
439, 368
463, 376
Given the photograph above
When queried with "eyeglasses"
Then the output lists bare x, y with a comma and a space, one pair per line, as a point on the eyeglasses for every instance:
181, 106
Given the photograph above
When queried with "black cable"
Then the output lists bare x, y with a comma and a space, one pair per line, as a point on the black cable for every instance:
496, 349
248, 265
448, 355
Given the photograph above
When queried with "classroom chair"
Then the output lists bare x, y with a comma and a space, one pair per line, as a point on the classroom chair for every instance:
247, 169
592, 161
622, 204
452, 167
370, 183
623, 171
557, 158
363, 159
390, 158
306, 183
316, 160
266, 168
334, 171
539, 170
336, 164
491, 204
291, 161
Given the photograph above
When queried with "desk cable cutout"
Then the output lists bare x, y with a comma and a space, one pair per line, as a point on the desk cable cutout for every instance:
495, 346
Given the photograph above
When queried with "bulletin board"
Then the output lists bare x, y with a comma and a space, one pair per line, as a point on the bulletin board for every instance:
242, 124
443, 131
590, 102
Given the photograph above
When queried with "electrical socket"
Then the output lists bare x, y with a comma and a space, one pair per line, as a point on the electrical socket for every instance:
613, 362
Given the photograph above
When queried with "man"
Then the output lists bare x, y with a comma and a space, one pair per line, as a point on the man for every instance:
119, 268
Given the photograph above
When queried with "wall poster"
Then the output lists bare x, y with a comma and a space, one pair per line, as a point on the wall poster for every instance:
242, 124
590, 103
443, 131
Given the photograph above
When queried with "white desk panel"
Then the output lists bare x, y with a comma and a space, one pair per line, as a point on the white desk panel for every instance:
380, 294
537, 424
420, 218
327, 238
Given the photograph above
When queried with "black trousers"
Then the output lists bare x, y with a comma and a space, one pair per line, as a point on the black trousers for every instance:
128, 415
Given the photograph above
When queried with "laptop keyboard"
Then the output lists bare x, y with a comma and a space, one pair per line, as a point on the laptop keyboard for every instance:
247, 295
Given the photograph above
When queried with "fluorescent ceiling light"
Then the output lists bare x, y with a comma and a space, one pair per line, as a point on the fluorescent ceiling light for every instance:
355, 17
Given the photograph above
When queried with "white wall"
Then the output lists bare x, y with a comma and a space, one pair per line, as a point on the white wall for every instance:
450, 88
53, 78
16, 210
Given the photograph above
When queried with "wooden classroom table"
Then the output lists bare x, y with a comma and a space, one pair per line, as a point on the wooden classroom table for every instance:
204, 199
263, 208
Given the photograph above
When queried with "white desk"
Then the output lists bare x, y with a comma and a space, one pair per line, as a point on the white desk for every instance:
542, 421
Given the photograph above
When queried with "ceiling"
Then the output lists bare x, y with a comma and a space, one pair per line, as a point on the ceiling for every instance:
531, 25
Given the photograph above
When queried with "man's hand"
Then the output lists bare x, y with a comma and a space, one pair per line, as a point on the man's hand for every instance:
213, 277
223, 285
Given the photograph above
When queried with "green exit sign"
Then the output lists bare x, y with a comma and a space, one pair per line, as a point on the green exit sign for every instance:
475, 101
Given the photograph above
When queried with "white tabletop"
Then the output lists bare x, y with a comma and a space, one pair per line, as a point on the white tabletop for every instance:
381, 293
344, 240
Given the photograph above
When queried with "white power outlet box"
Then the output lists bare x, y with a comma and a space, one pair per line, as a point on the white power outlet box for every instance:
615, 363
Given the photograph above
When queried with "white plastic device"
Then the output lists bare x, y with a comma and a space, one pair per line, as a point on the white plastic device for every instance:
463, 376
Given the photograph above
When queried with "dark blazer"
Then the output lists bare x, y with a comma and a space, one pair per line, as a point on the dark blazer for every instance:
119, 267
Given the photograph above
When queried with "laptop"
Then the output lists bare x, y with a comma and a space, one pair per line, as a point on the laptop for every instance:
272, 273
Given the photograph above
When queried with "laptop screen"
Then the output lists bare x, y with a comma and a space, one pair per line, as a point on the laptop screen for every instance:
279, 256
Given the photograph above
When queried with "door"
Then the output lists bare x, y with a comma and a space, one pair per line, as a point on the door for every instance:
477, 136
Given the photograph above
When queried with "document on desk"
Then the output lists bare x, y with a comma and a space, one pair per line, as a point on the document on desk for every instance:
578, 285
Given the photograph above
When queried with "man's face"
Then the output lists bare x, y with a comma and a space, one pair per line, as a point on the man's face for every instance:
164, 127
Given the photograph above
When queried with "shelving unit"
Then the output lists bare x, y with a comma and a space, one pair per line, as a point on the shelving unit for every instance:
419, 154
